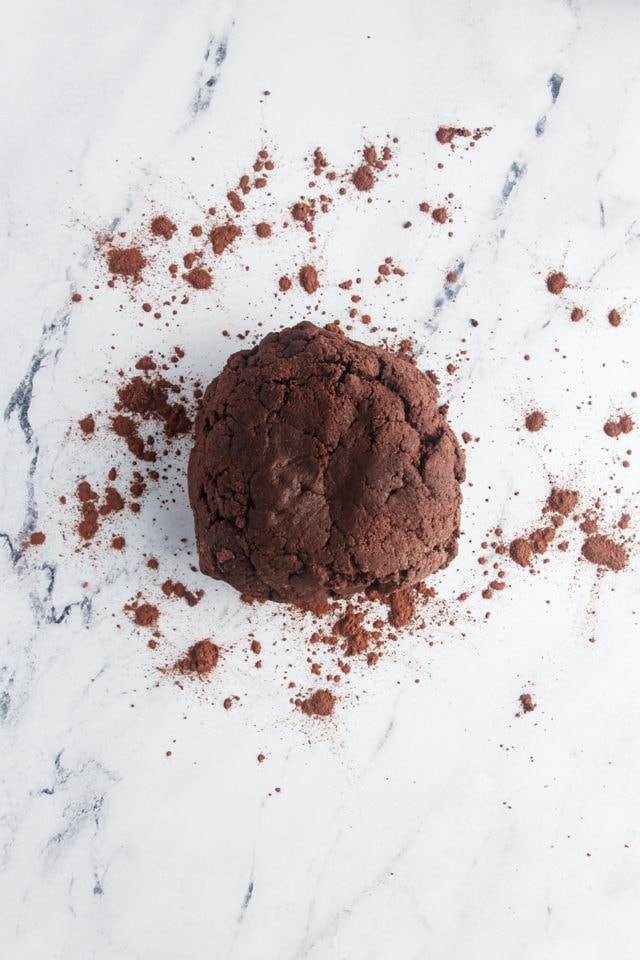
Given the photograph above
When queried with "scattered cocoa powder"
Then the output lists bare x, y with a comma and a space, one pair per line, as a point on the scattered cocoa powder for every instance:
201, 658
520, 551
535, 421
88, 526
127, 428
87, 424
348, 637
145, 614
349, 628
363, 178
37, 538
319, 704
562, 501
163, 227
526, 701
614, 318
126, 262
624, 424
319, 162
235, 201
145, 363
556, 282
148, 398
402, 607
447, 135
223, 236
604, 552
198, 278
263, 230
309, 279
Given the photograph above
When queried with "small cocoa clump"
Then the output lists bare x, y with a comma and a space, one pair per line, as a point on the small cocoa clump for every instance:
535, 421
163, 227
556, 282
520, 551
201, 658
604, 552
309, 279
363, 178
221, 237
319, 704
562, 501
126, 262
199, 278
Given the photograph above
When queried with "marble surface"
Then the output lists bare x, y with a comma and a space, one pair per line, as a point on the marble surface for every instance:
424, 819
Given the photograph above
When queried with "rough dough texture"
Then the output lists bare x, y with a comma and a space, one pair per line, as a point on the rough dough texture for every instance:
321, 467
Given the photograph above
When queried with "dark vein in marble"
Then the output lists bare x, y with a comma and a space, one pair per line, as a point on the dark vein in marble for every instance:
6, 679
19, 406
514, 175
247, 899
44, 608
516, 172
554, 83
209, 74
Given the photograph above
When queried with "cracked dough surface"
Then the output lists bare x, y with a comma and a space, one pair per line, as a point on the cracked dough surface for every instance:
321, 467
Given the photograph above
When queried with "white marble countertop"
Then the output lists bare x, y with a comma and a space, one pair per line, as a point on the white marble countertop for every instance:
423, 819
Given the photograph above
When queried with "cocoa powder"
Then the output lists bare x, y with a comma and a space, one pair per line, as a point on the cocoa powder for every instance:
520, 551
145, 614
163, 227
223, 236
535, 421
309, 279
235, 201
363, 178
199, 278
624, 424
526, 701
126, 262
562, 501
320, 704
402, 607
604, 552
87, 424
556, 282
201, 658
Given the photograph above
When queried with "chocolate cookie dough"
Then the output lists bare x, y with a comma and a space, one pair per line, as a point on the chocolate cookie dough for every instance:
322, 467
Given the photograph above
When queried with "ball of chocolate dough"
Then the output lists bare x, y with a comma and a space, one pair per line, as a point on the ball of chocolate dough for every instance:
321, 467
